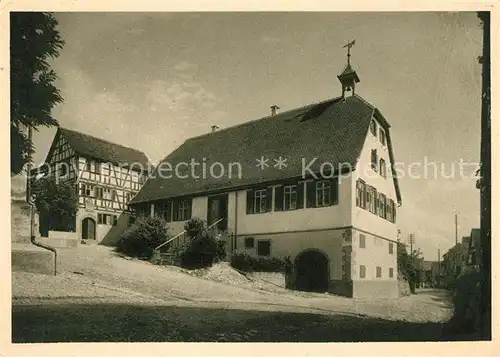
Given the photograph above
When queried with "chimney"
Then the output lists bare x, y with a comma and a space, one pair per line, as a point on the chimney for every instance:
215, 128
274, 110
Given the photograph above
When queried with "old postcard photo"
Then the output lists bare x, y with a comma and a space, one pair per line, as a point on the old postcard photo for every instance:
241, 176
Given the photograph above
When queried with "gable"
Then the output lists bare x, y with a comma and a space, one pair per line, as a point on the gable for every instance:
61, 150
379, 145
96, 148
331, 132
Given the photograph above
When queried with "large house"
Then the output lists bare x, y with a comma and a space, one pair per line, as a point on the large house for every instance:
106, 177
316, 184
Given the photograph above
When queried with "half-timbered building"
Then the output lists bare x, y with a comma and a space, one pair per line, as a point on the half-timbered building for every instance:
106, 177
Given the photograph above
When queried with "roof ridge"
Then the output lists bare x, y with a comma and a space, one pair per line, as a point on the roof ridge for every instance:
106, 141
266, 117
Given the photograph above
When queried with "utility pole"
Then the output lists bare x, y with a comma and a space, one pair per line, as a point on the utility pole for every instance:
412, 241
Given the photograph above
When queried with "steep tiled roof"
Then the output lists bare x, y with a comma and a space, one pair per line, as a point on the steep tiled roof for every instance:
332, 131
87, 145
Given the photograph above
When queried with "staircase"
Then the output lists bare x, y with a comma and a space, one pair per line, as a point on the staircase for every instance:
167, 253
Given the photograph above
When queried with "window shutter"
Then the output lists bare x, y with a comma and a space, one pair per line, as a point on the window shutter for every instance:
269, 199
175, 211
393, 212
300, 195
250, 200
278, 198
189, 210
311, 194
168, 210
334, 191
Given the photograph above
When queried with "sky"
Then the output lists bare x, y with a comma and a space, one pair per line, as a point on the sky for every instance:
152, 80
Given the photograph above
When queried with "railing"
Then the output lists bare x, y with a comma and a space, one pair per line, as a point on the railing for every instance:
183, 232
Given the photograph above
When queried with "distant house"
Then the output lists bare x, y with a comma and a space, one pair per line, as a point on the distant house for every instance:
462, 255
106, 177
315, 183
474, 248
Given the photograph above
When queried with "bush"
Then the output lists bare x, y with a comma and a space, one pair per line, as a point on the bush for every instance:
143, 237
248, 263
203, 249
467, 300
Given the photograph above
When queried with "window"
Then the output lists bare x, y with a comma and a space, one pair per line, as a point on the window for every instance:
64, 170
374, 159
128, 196
391, 210
142, 178
264, 248
83, 190
107, 193
371, 199
290, 197
379, 272
114, 195
249, 242
98, 167
381, 206
362, 241
260, 201
88, 165
382, 168
391, 272
382, 136
115, 220
391, 248
323, 193
99, 192
373, 128
100, 219
164, 211
183, 210
89, 191
362, 271
360, 193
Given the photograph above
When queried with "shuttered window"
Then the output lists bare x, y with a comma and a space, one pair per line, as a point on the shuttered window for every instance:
362, 271
374, 159
259, 200
360, 193
362, 241
382, 168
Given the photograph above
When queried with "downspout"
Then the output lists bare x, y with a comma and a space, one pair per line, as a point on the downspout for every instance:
30, 202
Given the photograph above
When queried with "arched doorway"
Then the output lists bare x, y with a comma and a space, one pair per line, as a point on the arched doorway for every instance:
311, 268
88, 228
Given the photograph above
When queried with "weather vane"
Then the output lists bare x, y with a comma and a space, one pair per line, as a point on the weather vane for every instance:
349, 45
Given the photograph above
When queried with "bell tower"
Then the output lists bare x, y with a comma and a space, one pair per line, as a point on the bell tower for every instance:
348, 78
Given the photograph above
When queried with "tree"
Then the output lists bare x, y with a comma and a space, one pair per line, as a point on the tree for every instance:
33, 40
409, 265
56, 202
